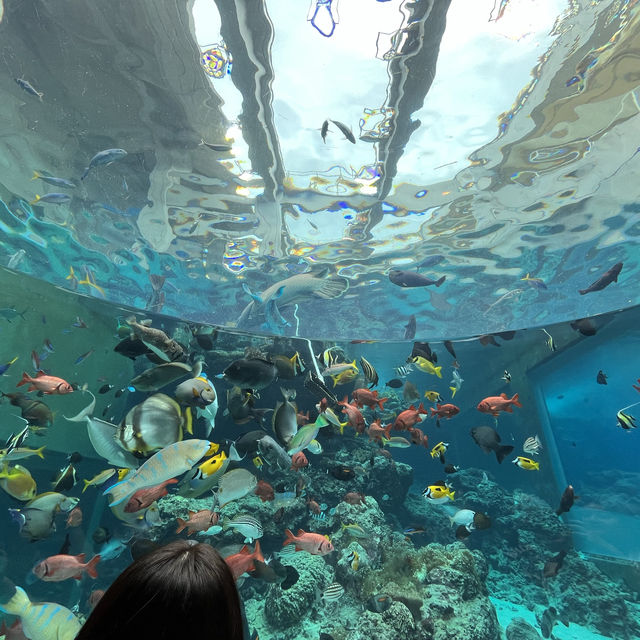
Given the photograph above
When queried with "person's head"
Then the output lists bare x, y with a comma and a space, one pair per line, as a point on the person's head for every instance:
181, 590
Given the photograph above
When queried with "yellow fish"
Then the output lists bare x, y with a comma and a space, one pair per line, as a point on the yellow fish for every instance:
427, 366
354, 560
433, 396
210, 466
349, 375
439, 450
17, 482
527, 463
438, 492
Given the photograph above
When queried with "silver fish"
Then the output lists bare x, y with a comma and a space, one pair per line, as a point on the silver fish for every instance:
532, 445
235, 484
285, 422
157, 377
247, 525
333, 592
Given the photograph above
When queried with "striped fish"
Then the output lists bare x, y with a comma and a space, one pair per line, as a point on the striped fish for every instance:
370, 373
247, 525
333, 592
402, 371
532, 445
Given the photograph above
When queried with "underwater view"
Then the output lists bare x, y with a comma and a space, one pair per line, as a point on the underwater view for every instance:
343, 289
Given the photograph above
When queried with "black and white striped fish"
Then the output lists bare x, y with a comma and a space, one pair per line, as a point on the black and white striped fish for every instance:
532, 446
370, 373
402, 371
247, 525
333, 592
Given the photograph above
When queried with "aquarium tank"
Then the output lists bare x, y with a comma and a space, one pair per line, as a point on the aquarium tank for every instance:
345, 289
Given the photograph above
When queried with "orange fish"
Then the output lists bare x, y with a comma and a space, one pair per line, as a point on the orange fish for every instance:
264, 491
376, 431
62, 567
198, 521
362, 397
495, 404
445, 411
242, 562
409, 417
298, 461
356, 419
74, 519
418, 437
47, 384
314, 543
144, 498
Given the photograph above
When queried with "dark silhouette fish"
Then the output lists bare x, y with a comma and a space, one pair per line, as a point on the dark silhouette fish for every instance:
324, 130
585, 326
410, 328
488, 439
412, 279
346, 132
604, 280
566, 501
551, 567
449, 347
601, 378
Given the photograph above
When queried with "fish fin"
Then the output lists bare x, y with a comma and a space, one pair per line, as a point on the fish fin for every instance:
438, 370
189, 418
91, 566
453, 392
515, 400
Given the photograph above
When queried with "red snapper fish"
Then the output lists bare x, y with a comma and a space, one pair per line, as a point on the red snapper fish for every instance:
62, 567
144, 498
315, 543
495, 404
362, 397
198, 521
356, 419
409, 417
376, 431
49, 385
298, 461
445, 411
242, 562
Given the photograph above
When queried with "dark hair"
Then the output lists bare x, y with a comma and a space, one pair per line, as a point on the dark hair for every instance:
181, 590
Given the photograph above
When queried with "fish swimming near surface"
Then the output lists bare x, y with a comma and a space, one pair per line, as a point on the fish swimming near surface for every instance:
488, 439
604, 280
346, 132
296, 289
409, 279
52, 198
157, 340
56, 182
585, 326
105, 157
410, 328
42, 620
25, 85
324, 130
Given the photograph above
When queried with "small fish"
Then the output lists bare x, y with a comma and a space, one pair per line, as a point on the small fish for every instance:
601, 378
74, 519
402, 371
532, 445
52, 198
412, 531
439, 450
29, 88
65, 479
83, 356
395, 383
105, 157
506, 376
354, 560
433, 396
324, 130
451, 468
79, 323
16, 259
549, 341
56, 182
456, 383
370, 374
4, 367
105, 388
551, 567
535, 282
604, 280
438, 492
566, 501
637, 386
410, 328
526, 463
430, 261
625, 420
345, 131
408, 279
333, 592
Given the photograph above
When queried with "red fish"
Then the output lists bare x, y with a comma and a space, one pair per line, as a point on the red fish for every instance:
495, 404
314, 543
362, 397
242, 562
356, 419
416, 435
314, 507
61, 567
445, 411
144, 498
354, 498
298, 461
264, 491
376, 431
198, 521
302, 418
74, 519
47, 384
409, 417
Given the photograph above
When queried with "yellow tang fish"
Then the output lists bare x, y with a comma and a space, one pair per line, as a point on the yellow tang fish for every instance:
427, 366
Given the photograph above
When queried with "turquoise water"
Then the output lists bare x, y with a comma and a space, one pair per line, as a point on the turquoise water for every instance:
377, 179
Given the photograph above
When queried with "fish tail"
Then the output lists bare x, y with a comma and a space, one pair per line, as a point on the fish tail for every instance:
36, 199
87, 484
387, 430
36, 175
182, 525
453, 392
26, 378
439, 281
40, 450
515, 401
381, 402
503, 452
189, 420
452, 495
438, 370
289, 537
257, 552
91, 566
